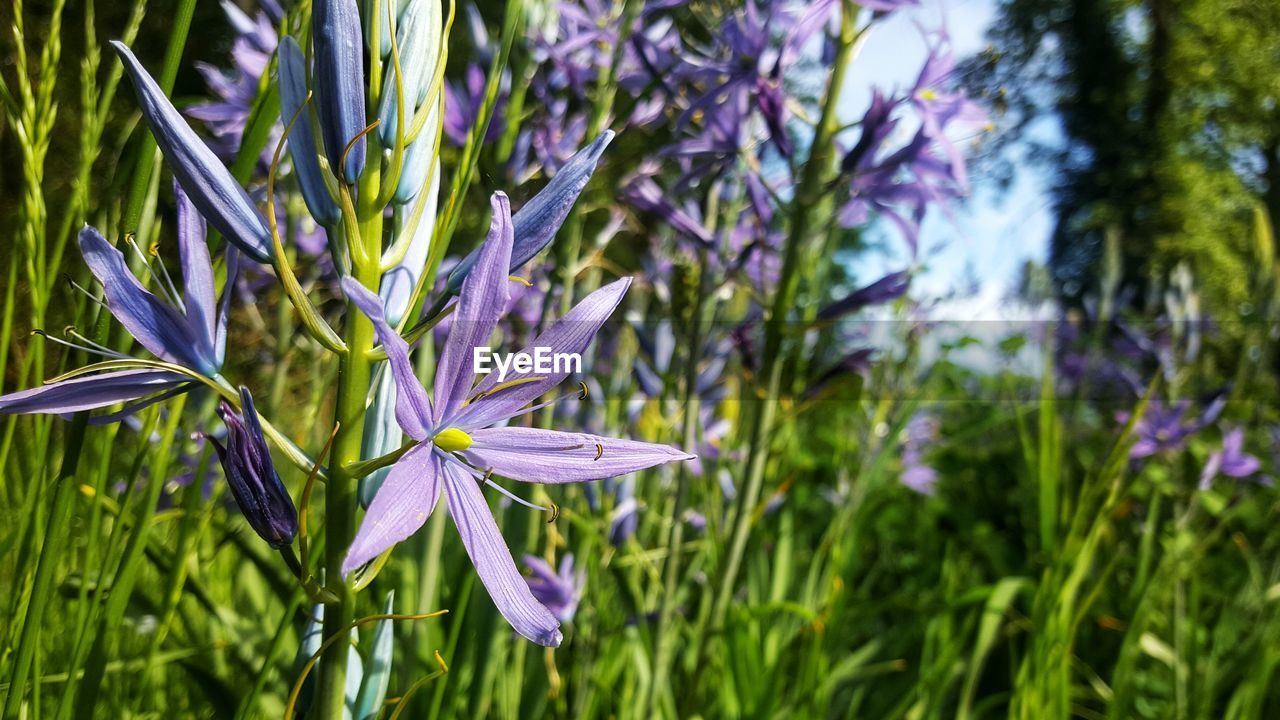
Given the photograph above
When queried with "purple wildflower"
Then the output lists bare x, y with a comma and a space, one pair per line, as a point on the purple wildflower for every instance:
462, 440
1231, 460
1165, 428
921, 432
560, 592
236, 89
189, 332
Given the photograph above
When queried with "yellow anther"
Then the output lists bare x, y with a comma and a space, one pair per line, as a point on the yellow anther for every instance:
522, 281
452, 440
582, 392
555, 513
599, 451
928, 94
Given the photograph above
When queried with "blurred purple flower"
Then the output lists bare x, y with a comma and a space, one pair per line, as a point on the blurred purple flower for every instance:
235, 89
921, 432
888, 288
462, 103
1165, 429
560, 592
1231, 460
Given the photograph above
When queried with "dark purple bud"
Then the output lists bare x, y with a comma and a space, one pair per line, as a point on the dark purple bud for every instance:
540, 219
257, 488
339, 83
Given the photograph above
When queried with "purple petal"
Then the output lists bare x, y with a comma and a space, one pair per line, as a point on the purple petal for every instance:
90, 392
539, 219
570, 334
212, 188
402, 505
480, 304
493, 563
551, 456
413, 408
157, 326
198, 291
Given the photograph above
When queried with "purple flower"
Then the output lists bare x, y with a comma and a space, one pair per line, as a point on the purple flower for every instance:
921, 431
256, 486
560, 592
644, 194
1165, 429
462, 103
941, 110
1231, 461
462, 440
189, 332
237, 89
626, 513
212, 189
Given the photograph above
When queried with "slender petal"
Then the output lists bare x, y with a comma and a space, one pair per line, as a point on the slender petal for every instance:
302, 139
555, 457
212, 188
570, 334
157, 326
540, 219
402, 505
483, 299
199, 293
413, 408
493, 561
339, 82
890, 287
90, 392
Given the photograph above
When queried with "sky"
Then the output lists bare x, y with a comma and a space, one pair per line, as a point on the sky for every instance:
991, 235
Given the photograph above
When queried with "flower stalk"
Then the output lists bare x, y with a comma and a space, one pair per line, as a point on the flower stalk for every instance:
808, 194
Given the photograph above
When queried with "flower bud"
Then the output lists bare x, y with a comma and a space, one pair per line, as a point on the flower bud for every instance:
339, 83
418, 46
302, 142
256, 486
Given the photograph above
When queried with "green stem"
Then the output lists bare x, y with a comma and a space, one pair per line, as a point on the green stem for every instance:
355, 372
806, 200
665, 641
